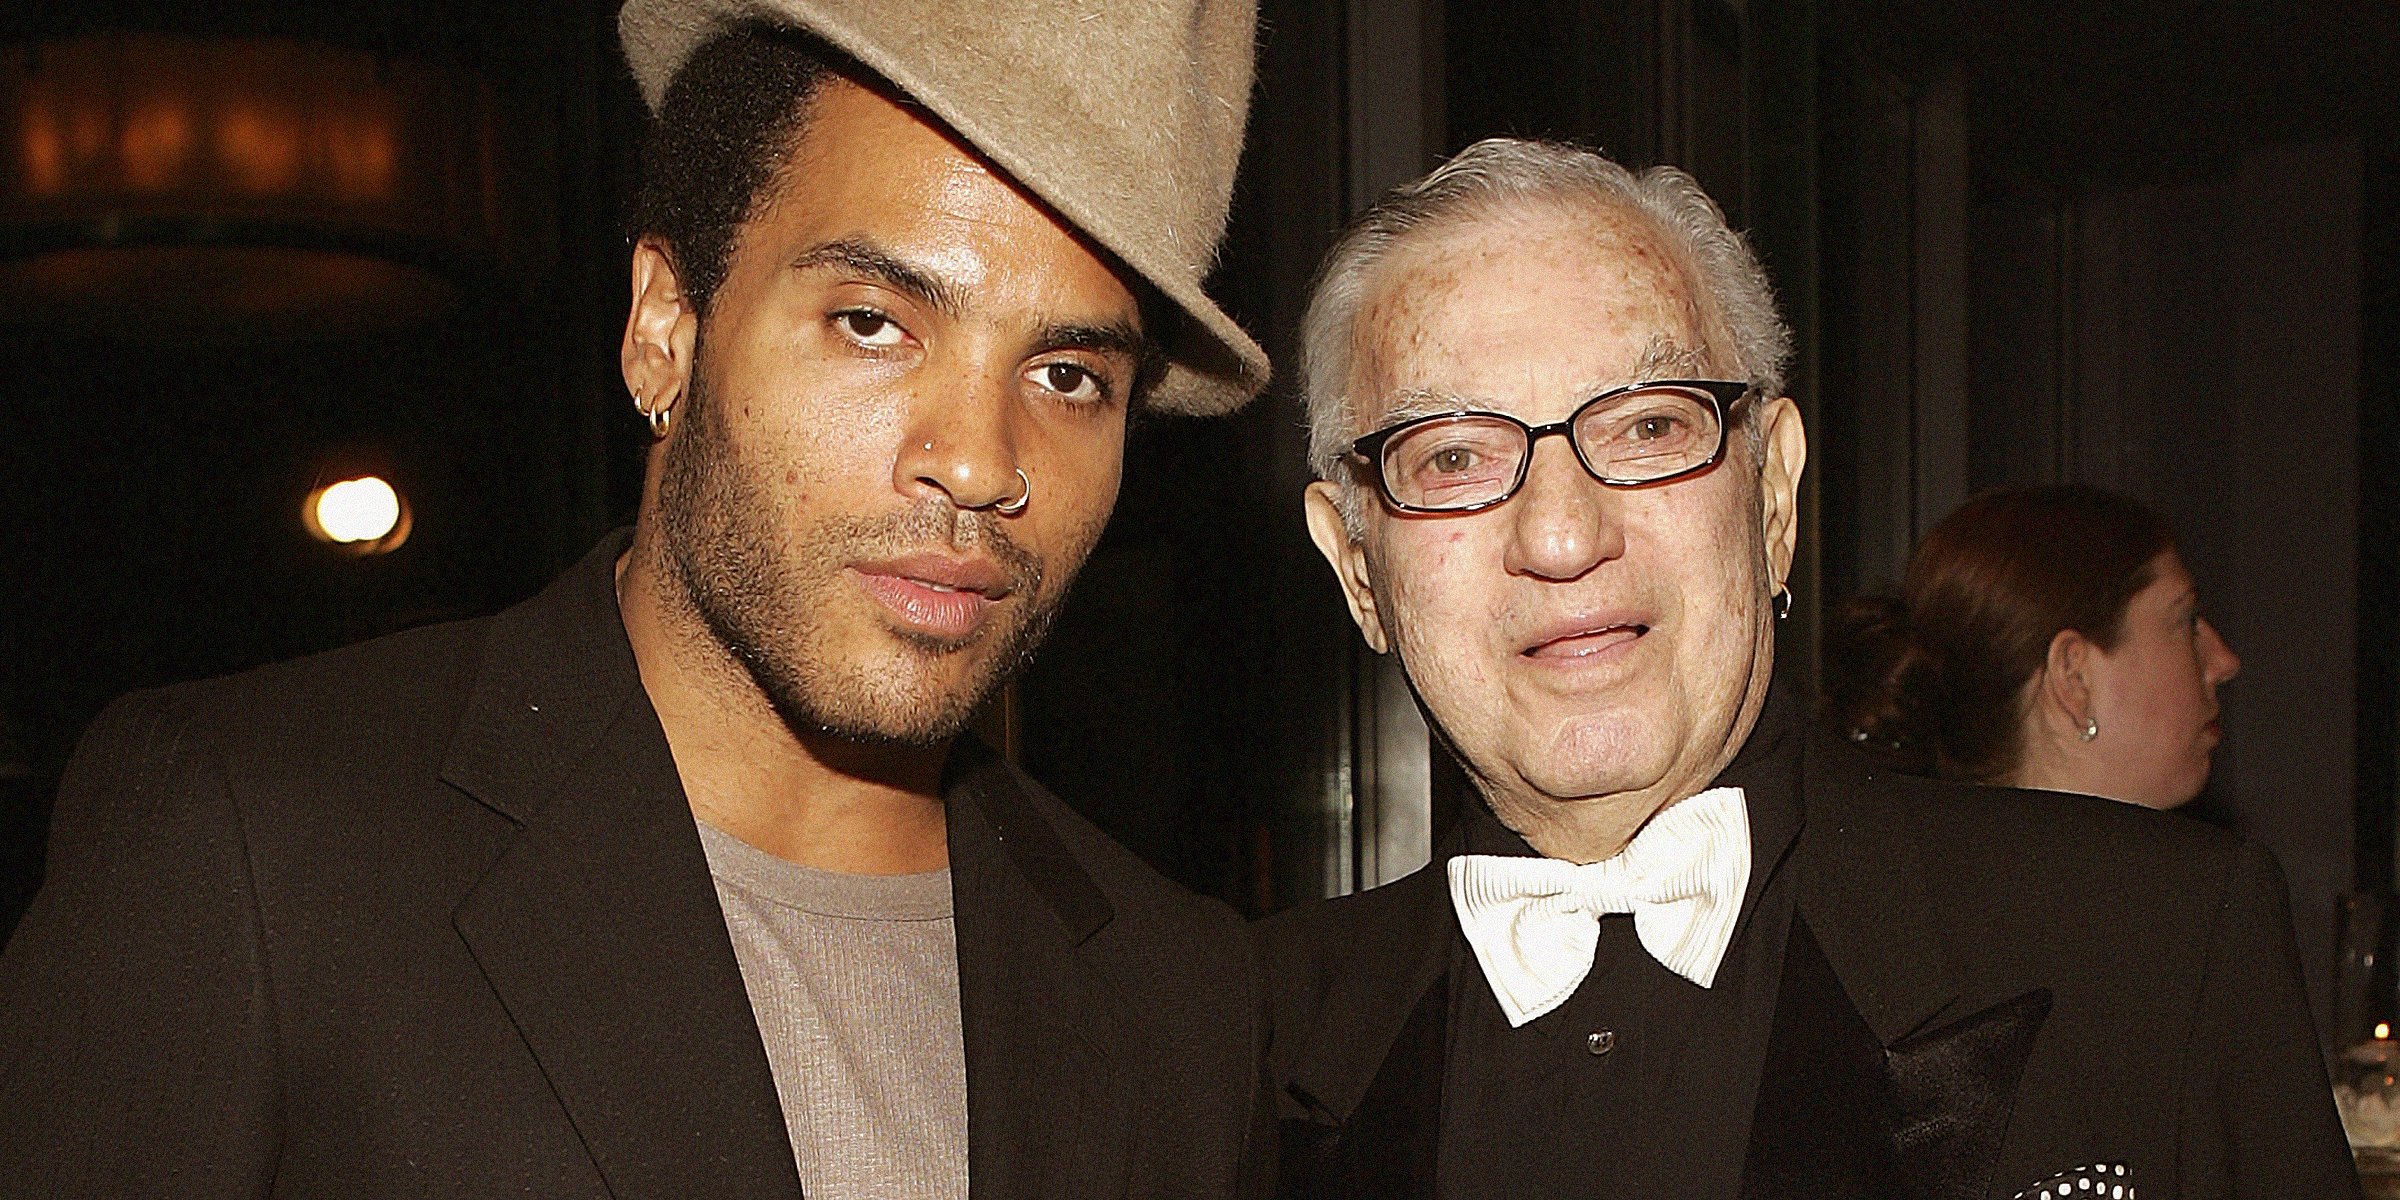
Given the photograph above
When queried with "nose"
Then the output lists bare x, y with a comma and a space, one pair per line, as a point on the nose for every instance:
2217, 659
1565, 519
958, 444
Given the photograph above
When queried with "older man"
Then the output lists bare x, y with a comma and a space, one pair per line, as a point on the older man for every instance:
678, 880
1684, 948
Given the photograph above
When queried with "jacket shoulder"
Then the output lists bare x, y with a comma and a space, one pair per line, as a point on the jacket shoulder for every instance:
2050, 885
343, 700
2027, 834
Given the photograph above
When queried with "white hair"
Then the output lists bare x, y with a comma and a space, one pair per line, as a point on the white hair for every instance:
1503, 176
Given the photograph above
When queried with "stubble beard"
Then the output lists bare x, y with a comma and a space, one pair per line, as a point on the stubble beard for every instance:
766, 598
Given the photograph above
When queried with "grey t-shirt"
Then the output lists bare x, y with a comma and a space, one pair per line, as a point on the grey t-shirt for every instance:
854, 979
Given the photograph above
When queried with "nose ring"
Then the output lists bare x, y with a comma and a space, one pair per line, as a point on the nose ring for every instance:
1010, 508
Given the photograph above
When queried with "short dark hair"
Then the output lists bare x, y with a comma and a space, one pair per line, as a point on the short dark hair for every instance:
731, 117
726, 129
1930, 678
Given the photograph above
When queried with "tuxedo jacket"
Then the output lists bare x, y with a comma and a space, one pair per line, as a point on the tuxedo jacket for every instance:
429, 916
1982, 990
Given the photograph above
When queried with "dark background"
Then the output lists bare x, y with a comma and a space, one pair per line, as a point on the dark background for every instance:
2156, 249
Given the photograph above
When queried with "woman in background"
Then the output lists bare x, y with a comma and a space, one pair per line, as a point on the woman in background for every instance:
2044, 637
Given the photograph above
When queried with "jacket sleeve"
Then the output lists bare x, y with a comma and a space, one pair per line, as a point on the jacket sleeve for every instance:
2262, 1124
137, 1057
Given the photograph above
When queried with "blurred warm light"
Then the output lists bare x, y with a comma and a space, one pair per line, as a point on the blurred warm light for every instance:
365, 515
142, 145
45, 150
260, 147
153, 144
2382, 1030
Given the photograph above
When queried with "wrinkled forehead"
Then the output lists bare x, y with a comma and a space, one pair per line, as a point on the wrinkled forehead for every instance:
1524, 311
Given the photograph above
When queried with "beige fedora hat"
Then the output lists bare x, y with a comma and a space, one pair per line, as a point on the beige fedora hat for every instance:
1123, 115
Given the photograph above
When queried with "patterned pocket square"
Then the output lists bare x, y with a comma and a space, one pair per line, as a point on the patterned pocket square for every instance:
2098, 1181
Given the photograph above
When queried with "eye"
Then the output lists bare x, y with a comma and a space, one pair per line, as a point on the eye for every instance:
1451, 460
1075, 383
870, 328
1654, 427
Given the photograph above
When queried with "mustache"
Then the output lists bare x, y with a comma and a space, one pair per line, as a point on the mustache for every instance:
937, 523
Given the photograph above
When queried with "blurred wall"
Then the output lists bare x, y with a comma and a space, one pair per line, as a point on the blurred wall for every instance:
2192, 340
2197, 345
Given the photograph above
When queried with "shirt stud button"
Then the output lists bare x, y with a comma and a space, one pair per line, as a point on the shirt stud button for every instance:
1601, 1042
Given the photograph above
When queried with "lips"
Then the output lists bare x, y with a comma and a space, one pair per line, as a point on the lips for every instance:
936, 595
1588, 638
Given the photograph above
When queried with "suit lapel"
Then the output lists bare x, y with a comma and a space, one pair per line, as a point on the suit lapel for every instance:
1867, 984
1371, 1081
599, 927
1954, 1089
1862, 889
1390, 1146
1822, 1127
1047, 1114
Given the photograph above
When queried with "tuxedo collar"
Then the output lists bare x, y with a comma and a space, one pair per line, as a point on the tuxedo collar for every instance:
600, 930
1870, 1009
1863, 892
1402, 937
1395, 950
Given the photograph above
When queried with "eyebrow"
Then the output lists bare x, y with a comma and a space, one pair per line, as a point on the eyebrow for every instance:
1113, 337
866, 258
1412, 403
1662, 358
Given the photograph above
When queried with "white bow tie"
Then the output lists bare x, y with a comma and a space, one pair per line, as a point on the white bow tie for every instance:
1534, 922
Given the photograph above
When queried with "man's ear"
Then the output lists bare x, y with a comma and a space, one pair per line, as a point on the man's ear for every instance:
1349, 563
661, 328
2066, 687
1784, 444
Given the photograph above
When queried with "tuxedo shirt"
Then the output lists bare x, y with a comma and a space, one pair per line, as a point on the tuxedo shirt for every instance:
1642, 1083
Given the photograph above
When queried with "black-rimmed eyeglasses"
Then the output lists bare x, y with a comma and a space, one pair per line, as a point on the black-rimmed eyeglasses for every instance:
1633, 436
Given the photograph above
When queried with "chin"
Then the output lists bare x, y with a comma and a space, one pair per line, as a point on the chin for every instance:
891, 695
1601, 754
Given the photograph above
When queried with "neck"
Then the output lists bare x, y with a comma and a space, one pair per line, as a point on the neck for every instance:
2046, 763
820, 801
1583, 830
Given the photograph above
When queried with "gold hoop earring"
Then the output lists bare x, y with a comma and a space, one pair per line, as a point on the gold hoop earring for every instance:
659, 415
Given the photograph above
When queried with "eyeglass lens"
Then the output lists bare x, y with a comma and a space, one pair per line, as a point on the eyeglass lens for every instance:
1478, 458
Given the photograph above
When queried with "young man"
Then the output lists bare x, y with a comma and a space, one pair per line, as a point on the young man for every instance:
679, 879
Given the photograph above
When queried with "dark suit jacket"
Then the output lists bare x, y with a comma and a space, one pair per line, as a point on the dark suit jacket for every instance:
1981, 988
430, 916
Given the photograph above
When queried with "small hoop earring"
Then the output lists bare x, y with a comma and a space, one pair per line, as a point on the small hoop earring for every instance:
1010, 508
658, 416
2091, 729
1783, 604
